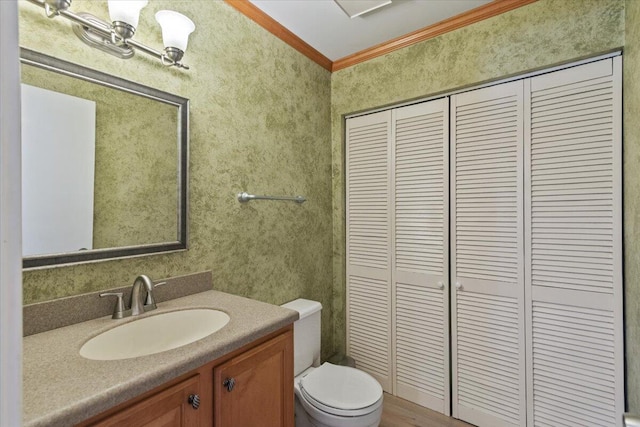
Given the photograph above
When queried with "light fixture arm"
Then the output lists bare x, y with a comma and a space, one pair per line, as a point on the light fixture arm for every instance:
108, 34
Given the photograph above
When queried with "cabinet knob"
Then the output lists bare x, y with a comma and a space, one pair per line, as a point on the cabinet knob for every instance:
440, 285
459, 286
194, 401
229, 383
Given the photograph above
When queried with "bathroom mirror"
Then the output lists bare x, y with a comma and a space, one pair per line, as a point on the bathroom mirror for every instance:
104, 169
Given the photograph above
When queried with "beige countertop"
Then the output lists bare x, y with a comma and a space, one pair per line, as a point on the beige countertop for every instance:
61, 388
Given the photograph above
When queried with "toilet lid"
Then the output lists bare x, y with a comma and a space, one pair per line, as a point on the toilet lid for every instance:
341, 387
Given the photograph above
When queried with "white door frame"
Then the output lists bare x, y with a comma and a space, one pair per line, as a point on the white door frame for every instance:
10, 220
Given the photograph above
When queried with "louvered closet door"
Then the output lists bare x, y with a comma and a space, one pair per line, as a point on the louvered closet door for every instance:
368, 151
574, 249
420, 262
488, 353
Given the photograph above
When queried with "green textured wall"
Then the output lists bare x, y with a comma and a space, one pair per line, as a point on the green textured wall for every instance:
631, 160
135, 184
535, 36
260, 121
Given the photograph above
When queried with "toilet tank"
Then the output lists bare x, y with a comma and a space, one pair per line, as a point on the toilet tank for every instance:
306, 334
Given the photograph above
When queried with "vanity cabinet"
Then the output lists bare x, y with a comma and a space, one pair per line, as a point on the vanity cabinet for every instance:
256, 387
262, 392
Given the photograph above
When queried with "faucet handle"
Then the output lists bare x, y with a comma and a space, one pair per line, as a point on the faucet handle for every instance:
149, 301
118, 311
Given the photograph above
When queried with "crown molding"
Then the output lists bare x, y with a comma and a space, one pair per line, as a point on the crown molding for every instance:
472, 16
274, 27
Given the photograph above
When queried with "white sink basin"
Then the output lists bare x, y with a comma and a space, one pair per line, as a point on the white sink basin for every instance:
154, 334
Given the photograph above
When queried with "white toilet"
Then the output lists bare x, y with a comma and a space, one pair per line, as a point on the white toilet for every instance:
328, 395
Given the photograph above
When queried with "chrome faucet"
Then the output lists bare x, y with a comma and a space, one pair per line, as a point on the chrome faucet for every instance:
138, 304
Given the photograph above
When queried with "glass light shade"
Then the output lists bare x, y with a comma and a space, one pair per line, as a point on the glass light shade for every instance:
127, 11
175, 29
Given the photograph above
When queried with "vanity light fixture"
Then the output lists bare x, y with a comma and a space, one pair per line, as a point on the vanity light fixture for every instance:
116, 37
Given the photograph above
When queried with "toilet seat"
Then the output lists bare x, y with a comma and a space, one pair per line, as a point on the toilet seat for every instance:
341, 390
345, 413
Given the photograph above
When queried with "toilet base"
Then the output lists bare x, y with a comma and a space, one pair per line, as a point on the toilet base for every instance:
303, 419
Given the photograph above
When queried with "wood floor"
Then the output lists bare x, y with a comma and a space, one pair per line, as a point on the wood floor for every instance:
402, 413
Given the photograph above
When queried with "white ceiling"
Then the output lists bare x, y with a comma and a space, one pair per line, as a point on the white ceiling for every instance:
326, 27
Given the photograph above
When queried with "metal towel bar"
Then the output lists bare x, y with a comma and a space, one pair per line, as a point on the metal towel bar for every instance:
245, 197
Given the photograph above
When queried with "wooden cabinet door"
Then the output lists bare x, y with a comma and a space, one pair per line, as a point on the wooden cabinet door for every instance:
168, 408
262, 394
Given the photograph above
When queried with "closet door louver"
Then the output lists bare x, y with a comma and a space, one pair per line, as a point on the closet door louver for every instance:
574, 249
368, 157
487, 265
420, 253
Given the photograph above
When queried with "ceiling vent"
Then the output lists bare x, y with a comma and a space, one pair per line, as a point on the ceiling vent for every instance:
355, 8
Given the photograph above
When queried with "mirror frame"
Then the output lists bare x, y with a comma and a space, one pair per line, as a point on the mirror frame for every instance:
59, 66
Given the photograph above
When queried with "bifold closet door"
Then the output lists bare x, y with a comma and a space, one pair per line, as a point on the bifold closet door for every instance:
487, 262
574, 246
368, 241
420, 253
